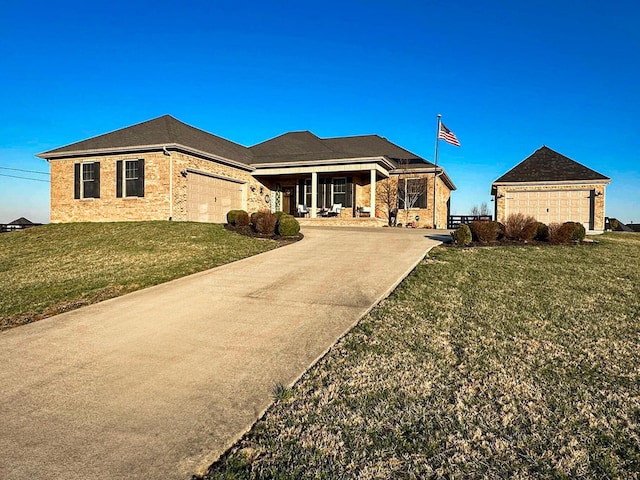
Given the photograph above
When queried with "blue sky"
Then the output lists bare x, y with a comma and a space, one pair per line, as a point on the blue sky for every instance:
507, 77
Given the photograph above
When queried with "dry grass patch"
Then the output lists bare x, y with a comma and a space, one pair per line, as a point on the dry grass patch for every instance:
506, 362
59, 267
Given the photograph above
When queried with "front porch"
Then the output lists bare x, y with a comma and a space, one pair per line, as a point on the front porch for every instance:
331, 193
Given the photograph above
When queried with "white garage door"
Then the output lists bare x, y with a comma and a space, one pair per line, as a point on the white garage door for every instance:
552, 206
210, 198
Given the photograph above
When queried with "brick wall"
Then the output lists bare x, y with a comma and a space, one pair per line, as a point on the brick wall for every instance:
155, 204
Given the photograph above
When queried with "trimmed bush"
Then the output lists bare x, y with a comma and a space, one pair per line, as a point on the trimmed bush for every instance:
520, 227
462, 235
502, 231
542, 233
485, 231
241, 219
279, 214
264, 222
253, 218
560, 233
231, 216
579, 231
288, 226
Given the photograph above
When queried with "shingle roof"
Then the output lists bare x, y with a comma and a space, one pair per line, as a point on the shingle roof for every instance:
164, 130
22, 221
305, 146
546, 165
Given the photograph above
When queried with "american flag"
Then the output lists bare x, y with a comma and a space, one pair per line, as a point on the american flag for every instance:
448, 136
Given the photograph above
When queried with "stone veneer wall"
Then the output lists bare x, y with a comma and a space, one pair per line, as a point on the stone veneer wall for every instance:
155, 204
599, 213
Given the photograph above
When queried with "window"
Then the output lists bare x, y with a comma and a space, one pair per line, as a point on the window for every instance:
130, 178
86, 179
340, 191
412, 193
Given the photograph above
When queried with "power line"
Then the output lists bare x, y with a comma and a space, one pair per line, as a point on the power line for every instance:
20, 170
24, 178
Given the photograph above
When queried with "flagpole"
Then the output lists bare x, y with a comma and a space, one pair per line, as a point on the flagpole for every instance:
435, 171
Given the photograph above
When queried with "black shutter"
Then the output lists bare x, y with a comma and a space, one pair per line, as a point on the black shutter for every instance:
319, 193
96, 180
76, 180
401, 193
348, 198
301, 192
119, 179
141, 177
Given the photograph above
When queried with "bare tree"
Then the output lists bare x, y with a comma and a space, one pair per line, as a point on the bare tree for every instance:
387, 196
482, 210
410, 190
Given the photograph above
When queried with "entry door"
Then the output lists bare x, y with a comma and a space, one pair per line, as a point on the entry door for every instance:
288, 203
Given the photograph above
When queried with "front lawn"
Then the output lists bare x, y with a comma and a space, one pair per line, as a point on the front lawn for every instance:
490, 362
58, 267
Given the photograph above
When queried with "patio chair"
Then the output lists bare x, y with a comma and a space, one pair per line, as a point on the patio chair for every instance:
334, 211
303, 211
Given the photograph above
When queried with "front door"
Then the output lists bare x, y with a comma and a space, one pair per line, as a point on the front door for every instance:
288, 204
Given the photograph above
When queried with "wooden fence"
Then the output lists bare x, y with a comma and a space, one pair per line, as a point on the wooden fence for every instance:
454, 221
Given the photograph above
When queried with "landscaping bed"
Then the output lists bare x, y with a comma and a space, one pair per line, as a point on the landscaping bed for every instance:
517, 362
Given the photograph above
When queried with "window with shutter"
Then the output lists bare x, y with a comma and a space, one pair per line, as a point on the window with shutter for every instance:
86, 180
130, 178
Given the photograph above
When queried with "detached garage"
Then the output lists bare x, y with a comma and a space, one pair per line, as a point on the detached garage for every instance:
552, 188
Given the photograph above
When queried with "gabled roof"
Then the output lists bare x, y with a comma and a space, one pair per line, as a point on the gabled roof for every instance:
161, 131
305, 146
546, 165
22, 221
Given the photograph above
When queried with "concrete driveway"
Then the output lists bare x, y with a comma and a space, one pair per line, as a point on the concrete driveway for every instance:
158, 383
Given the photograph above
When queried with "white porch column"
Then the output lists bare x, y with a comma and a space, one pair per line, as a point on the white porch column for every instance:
314, 194
372, 200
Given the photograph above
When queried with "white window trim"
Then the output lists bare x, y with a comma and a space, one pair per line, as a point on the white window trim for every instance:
82, 164
124, 177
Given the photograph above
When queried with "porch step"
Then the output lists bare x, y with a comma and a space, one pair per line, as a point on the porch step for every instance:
341, 222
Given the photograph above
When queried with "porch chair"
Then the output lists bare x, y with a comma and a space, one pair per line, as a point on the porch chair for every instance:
334, 211
303, 211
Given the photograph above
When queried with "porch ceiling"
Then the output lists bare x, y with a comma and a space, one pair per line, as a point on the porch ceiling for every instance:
343, 169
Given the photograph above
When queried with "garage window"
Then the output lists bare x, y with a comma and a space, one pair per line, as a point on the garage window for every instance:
130, 178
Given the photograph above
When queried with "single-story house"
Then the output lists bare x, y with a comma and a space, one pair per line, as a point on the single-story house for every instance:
165, 169
552, 188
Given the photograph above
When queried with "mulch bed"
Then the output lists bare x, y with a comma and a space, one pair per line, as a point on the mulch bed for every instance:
515, 243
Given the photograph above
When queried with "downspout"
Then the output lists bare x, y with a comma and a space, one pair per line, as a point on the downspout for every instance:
167, 153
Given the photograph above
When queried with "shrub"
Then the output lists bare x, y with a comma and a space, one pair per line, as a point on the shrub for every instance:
231, 216
279, 214
501, 231
264, 222
462, 235
578, 231
253, 218
542, 233
520, 227
288, 226
485, 231
242, 218
560, 234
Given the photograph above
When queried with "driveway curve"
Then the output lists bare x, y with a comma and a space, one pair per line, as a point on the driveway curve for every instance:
158, 383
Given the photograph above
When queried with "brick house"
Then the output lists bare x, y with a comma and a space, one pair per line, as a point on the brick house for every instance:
165, 169
553, 189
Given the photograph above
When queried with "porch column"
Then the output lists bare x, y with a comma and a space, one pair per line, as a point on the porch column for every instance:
314, 194
372, 200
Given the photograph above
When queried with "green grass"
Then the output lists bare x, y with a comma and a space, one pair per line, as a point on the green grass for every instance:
503, 362
58, 267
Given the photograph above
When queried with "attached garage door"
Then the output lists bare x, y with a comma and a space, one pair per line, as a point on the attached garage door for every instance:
210, 198
552, 206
